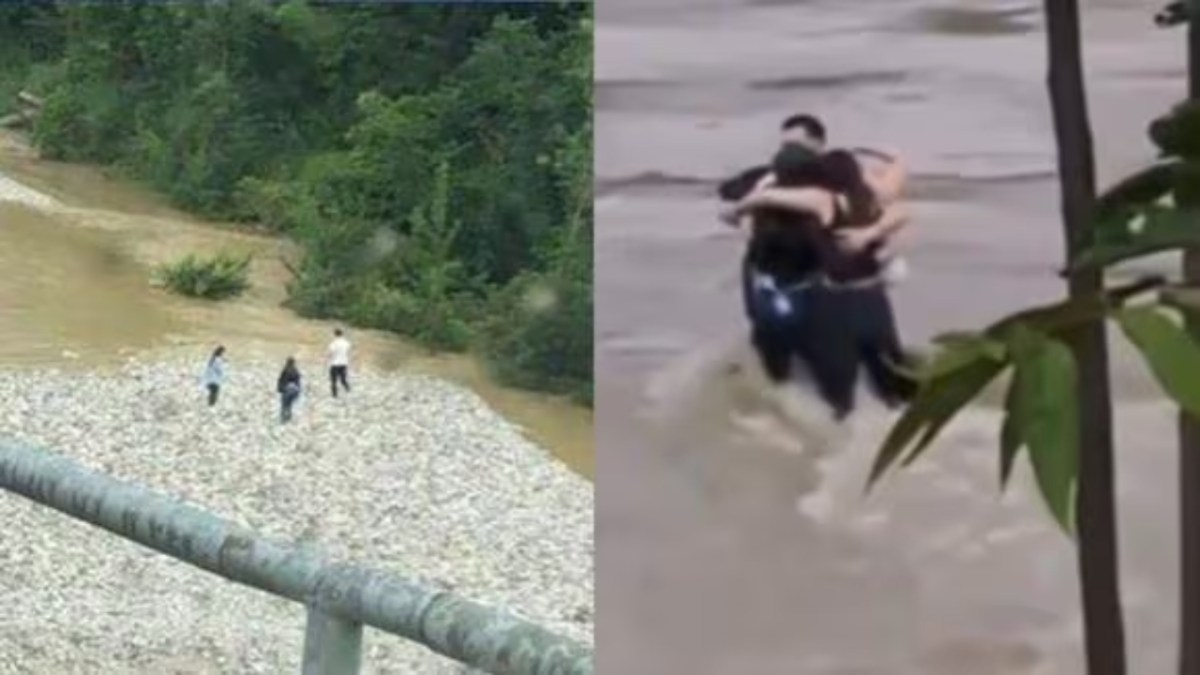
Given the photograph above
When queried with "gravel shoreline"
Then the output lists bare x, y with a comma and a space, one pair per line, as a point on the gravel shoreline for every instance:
407, 473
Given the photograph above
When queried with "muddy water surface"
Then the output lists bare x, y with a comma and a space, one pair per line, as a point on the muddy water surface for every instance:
76, 253
706, 563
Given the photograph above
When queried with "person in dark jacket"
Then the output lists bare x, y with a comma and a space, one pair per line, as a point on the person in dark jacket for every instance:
289, 389
801, 134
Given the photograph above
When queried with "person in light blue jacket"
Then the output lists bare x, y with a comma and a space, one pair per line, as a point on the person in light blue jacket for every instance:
214, 374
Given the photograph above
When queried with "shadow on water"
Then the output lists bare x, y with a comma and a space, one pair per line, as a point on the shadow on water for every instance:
973, 21
859, 79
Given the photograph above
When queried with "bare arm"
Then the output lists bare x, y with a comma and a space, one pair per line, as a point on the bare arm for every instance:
893, 219
887, 181
812, 200
890, 222
886, 175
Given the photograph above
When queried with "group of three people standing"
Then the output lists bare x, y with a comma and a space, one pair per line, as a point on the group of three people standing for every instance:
288, 385
818, 262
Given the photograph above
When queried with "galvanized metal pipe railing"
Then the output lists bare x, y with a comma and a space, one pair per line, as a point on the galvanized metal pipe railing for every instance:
340, 598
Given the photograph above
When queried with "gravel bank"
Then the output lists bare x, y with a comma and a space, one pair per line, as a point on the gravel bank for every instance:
407, 473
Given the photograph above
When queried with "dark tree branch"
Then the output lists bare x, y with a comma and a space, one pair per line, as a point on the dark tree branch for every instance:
1096, 519
1189, 445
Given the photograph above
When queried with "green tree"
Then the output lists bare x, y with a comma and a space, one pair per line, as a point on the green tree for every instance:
416, 152
1048, 413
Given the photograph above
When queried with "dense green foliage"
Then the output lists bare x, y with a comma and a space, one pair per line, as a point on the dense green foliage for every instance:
1148, 212
434, 161
222, 276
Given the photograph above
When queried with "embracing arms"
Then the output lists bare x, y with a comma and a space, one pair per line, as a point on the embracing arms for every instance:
892, 219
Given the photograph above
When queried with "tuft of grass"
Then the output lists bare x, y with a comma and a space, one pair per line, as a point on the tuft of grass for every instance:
225, 275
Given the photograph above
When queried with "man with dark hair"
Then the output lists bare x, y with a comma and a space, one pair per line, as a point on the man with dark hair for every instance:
802, 130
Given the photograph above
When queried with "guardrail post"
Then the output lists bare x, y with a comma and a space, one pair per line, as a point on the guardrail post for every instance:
332, 646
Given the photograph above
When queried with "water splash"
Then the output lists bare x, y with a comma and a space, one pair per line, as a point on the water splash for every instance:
12, 191
718, 392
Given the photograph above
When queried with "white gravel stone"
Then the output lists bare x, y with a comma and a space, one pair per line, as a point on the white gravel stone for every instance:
406, 473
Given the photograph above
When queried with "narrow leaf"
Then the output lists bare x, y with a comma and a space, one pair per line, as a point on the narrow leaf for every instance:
1140, 189
1151, 230
911, 422
962, 353
951, 338
959, 389
1047, 414
937, 401
1010, 432
1052, 318
1172, 355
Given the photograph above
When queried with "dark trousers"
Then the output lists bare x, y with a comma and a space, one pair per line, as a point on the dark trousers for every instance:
878, 340
338, 374
214, 390
832, 331
747, 288
286, 401
818, 333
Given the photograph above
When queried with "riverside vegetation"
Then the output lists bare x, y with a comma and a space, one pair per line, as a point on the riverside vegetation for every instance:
433, 162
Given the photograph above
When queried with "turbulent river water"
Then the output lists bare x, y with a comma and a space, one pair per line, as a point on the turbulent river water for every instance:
76, 253
706, 563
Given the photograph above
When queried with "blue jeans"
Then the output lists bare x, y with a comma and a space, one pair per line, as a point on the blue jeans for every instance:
287, 399
812, 324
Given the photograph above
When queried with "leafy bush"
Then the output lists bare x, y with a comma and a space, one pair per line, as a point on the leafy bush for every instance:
538, 335
225, 275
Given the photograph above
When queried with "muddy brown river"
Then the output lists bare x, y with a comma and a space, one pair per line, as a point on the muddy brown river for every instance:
724, 548
77, 248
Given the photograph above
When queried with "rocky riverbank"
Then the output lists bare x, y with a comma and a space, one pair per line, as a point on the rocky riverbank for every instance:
408, 473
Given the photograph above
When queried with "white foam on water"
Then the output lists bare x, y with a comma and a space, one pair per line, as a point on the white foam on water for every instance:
12, 191
718, 392
714, 407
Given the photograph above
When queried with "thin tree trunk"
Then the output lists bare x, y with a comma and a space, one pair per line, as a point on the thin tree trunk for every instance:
1189, 446
1104, 632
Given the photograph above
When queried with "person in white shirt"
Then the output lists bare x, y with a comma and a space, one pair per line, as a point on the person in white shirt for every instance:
339, 361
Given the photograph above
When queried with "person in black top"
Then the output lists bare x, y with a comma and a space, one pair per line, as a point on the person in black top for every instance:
804, 135
288, 387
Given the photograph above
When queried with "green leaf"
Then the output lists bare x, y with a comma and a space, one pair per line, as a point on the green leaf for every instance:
1052, 318
1172, 355
951, 338
1047, 414
936, 403
1178, 132
1010, 432
1140, 189
1185, 185
961, 353
1159, 228
968, 383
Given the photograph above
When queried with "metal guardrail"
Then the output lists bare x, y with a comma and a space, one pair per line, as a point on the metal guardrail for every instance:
340, 599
